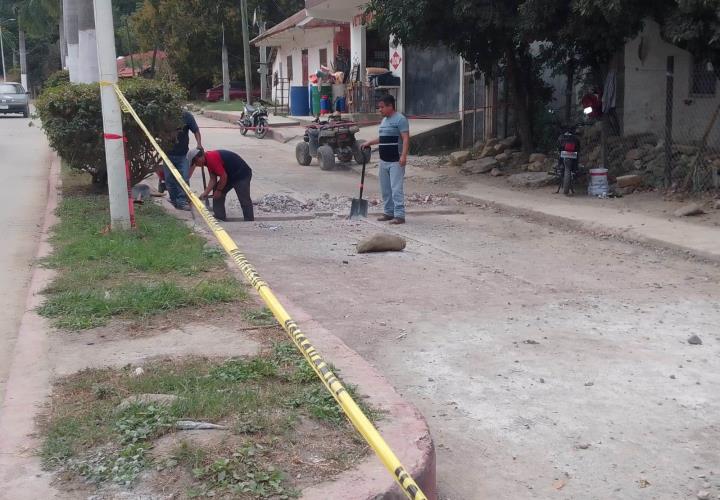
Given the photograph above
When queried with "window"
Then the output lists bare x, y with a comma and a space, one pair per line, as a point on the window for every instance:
289, 68
703, 80
323, 57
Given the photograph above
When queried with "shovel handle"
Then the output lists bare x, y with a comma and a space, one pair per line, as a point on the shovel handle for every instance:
362, 177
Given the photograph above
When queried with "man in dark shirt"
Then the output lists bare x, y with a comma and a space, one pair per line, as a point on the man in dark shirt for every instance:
227, 171
178, 156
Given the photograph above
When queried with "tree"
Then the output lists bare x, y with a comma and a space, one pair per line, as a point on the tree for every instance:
694, 25
487, 34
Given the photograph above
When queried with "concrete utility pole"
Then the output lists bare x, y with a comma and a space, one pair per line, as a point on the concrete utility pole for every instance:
263, 65
87, 43
70, 19
112, 117
23, 62
225, 69
61, 43
246, 47
2, 52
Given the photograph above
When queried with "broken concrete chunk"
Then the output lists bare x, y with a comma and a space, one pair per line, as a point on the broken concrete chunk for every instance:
496, 172
481, 166
688, 210
629, 181
191, 425
146, 400
381, 242
694, 340
459, 157
537, 157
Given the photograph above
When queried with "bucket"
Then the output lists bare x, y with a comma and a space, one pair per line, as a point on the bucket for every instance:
299, 102
598, 185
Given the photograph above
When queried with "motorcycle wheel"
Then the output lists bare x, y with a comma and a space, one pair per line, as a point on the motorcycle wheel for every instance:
261, 129
243, 128
567, 179
326, 155
302, 154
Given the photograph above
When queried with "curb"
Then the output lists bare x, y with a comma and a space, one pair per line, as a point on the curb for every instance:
272, 132
28, 383
596, 227
403, 426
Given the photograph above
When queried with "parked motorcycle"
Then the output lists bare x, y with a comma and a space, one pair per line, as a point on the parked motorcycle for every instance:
567, 168
254, 117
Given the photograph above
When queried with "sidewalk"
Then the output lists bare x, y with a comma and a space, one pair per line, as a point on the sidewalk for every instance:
600, 216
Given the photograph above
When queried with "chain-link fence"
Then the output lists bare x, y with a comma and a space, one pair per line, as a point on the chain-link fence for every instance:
666, 130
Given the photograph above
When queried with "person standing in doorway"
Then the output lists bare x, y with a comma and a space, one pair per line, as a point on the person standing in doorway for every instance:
227, 171
394, 141
178, 156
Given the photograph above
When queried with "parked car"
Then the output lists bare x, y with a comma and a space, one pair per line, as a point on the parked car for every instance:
237, 91
14, 99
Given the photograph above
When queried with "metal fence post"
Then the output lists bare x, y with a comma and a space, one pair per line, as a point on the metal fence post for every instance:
670, 75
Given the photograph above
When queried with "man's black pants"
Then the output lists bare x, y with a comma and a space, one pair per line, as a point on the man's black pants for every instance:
242, 189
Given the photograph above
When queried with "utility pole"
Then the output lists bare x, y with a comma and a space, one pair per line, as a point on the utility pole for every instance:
225, 68
70, 20
263, 64
23, 62
2, 48
246, 47
87, 43
112, 117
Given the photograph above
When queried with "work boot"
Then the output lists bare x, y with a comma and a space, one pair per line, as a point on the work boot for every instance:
398, 220
385, 218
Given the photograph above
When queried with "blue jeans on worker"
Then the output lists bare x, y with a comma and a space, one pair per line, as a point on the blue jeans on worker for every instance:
392, 176
177, 195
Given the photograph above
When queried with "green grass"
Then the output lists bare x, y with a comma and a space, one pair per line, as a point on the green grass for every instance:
261, 398
158, 267
260, 317
236, 105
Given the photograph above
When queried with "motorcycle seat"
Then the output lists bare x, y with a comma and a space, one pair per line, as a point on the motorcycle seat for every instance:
249, 108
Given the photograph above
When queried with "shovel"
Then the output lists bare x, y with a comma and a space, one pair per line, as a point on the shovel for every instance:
207, 202
359, 207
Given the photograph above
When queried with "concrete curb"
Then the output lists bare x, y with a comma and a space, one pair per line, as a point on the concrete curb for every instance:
595, 227
273, 131
402, 426
28, 384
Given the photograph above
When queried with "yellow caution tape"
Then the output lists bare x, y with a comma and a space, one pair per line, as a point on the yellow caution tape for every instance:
312, 356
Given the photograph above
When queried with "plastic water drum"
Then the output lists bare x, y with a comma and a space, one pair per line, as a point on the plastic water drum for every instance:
299, 102
315, 99
598, 185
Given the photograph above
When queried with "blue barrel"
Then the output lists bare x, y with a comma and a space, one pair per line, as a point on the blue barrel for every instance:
340, 105
299, 102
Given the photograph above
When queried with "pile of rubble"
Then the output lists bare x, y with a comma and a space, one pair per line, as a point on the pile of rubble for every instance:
494, 157
281, 203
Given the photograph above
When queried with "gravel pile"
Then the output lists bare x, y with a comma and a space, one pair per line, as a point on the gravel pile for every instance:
281, 203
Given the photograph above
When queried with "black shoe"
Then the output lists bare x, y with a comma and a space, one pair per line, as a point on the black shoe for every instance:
161, 186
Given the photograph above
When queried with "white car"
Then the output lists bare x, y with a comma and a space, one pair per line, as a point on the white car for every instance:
14, 99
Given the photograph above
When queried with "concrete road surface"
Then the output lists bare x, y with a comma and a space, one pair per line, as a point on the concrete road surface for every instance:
24, 166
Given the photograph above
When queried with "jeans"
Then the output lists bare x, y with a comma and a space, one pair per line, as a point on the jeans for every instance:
242, 190
392, 176
177, 195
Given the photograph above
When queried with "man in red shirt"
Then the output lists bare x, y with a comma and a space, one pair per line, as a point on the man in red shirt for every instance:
227, 171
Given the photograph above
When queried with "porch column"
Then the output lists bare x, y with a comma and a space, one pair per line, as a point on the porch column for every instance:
358, 41
397, 66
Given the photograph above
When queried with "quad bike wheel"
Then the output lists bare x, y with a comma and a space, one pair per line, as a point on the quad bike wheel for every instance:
326, 155
359, 153
302, 153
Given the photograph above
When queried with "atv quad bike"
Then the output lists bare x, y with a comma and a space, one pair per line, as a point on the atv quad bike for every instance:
329, 140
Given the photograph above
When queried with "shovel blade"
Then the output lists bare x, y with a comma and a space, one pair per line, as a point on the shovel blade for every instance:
358, 208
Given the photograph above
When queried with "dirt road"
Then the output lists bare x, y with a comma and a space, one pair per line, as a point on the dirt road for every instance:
23, 174
549, 364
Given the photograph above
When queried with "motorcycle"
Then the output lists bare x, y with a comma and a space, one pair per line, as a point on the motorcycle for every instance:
567, 168
254, 117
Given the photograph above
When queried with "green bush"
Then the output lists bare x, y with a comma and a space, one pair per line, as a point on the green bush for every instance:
60, 77
72, 119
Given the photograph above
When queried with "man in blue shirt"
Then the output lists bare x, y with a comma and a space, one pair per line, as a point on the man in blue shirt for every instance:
394, 141
177, 155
